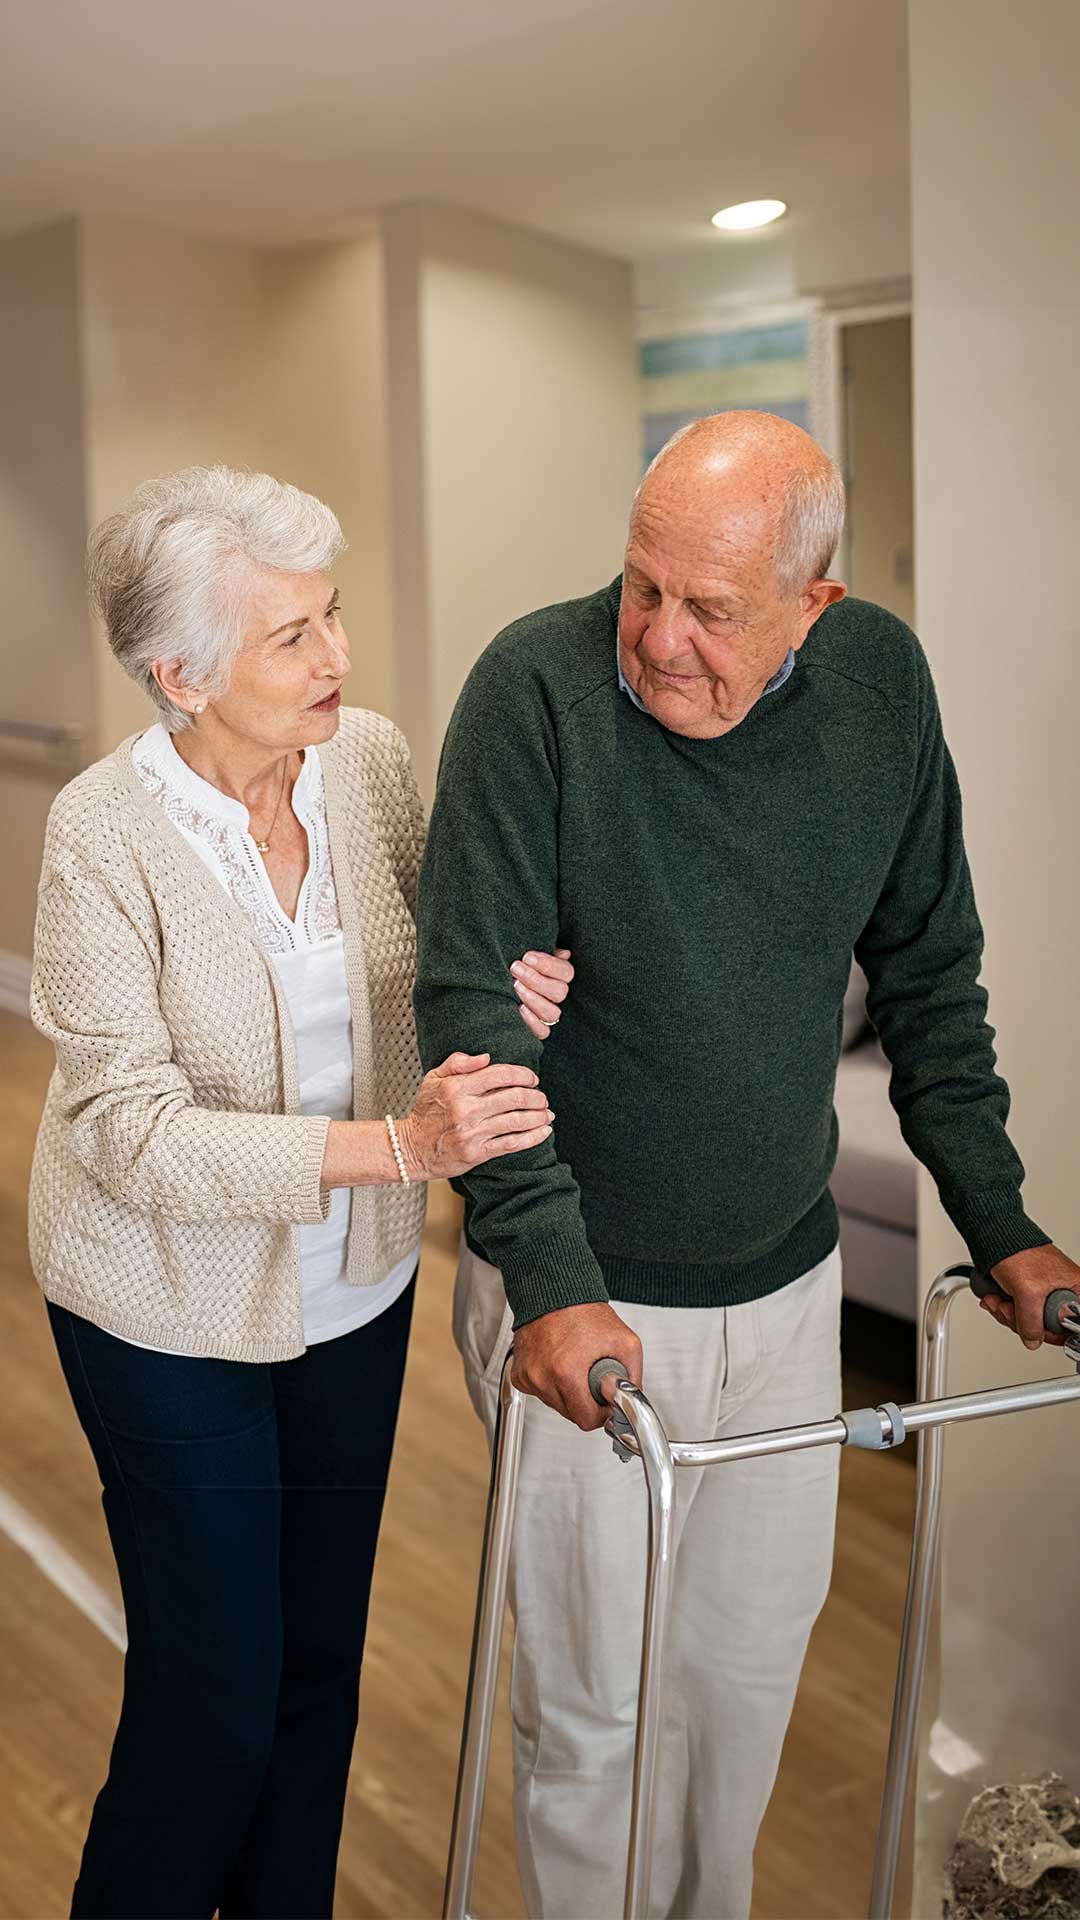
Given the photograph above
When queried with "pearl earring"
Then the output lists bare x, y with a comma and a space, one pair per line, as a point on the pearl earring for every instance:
200, 709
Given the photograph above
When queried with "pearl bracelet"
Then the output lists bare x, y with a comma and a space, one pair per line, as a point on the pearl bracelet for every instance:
398, 1155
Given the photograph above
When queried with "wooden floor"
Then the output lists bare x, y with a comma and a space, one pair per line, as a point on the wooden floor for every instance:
62, 1673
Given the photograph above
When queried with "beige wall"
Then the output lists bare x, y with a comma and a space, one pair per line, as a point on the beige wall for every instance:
168, 325
126, 351
514, 403
997, 418
198, 351
863, 257
498, 365
47, 674
320, 379
879, 532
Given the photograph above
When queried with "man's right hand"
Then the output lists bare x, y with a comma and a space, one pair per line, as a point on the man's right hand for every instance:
552, 1357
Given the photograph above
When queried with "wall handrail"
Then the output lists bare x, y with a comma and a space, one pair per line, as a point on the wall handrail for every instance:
58, 733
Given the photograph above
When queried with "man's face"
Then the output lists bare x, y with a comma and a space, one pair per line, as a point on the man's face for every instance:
702, 624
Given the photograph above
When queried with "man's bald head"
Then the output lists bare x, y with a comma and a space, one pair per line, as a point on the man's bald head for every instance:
732, 533
755, 477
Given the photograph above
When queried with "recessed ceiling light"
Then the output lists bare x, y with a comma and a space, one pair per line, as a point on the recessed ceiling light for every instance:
749, 213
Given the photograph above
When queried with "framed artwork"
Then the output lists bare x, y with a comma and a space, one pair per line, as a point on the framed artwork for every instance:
691, 374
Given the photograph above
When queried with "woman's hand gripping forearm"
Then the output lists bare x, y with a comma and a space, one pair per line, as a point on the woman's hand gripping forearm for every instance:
467, 1111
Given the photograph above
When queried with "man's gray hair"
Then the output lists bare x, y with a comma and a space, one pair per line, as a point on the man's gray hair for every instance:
169, 573
810, 523
809, 528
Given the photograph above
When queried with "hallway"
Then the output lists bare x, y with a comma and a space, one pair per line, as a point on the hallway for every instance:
64, 1671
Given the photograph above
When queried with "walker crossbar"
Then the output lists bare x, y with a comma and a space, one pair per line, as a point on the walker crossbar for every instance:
638, 1433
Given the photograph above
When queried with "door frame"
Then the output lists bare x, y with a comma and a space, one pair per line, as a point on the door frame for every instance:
827, 382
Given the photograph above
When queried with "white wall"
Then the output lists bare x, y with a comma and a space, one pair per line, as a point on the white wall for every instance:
996, 175
514, 403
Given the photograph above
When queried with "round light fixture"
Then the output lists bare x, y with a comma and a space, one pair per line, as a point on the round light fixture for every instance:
749, 213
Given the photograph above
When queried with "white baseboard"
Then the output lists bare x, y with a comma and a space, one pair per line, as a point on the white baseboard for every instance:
14, 983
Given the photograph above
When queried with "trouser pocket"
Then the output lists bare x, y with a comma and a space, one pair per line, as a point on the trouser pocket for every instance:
483, 1326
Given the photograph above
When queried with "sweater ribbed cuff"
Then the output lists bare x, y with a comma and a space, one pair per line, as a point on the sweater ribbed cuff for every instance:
540, 1276
994, 1225
314, 1201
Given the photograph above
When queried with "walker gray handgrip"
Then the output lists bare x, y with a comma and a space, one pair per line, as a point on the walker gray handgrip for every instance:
982, 1285
599, 1371
619, 1425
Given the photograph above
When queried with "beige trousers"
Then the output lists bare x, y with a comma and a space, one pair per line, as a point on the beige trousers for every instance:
753, 1555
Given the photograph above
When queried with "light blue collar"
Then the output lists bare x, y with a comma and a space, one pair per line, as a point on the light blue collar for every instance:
769, 687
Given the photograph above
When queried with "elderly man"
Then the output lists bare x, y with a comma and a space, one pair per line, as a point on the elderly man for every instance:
713, 780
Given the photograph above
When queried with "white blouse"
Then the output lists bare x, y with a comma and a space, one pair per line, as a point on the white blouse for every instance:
308, 956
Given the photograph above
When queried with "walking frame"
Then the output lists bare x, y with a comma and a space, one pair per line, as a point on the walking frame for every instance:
637, 1433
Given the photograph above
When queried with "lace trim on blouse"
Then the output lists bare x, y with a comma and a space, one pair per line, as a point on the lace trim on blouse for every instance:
244, 874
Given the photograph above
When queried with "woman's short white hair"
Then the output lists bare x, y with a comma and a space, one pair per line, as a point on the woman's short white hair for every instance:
168, 573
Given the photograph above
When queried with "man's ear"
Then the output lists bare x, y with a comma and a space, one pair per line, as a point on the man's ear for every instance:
819, 595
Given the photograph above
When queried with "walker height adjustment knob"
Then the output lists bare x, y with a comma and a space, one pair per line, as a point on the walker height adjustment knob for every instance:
876, 1428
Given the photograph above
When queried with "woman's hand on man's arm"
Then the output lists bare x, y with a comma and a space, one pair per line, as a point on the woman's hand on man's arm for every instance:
467, 1111
542, 982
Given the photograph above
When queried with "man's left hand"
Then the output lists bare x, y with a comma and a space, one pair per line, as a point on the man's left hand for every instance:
1028, 1278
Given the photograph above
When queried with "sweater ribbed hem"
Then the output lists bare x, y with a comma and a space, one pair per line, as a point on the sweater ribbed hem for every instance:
195, 1343
994, 1225
725, 1283
564, 1271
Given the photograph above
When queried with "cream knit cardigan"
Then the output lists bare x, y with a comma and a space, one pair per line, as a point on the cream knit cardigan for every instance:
172, 1162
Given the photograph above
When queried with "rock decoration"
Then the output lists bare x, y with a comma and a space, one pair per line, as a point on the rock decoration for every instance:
1017, 1855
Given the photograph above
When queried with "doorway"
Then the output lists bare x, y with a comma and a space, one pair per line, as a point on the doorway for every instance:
874, 366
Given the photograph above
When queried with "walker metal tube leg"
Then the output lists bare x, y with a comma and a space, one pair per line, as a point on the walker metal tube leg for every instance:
660, 1482
638, 1433
920, 1593
487, 1644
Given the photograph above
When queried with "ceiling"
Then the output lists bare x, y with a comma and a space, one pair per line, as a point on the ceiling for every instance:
619, 124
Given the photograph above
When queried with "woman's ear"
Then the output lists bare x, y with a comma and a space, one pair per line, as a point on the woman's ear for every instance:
167, 673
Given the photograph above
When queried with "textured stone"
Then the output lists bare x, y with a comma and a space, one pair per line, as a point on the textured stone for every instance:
1017, 1855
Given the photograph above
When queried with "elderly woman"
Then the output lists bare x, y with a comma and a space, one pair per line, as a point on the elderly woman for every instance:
228, 1184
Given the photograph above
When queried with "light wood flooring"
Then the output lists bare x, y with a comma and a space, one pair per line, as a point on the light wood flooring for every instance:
62, 1675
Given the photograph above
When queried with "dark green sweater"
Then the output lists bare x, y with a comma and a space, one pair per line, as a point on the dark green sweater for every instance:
712, 892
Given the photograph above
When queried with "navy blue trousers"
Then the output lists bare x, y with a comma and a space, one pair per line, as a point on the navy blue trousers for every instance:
243, 1503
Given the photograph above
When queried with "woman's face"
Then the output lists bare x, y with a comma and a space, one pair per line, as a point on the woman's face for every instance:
295, 655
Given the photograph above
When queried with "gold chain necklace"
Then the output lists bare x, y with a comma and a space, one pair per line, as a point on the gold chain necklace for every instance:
264, 845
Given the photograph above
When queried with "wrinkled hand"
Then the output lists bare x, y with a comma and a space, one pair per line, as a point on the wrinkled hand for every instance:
552, 1357
1029, 1277
542, 982
468, 1111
